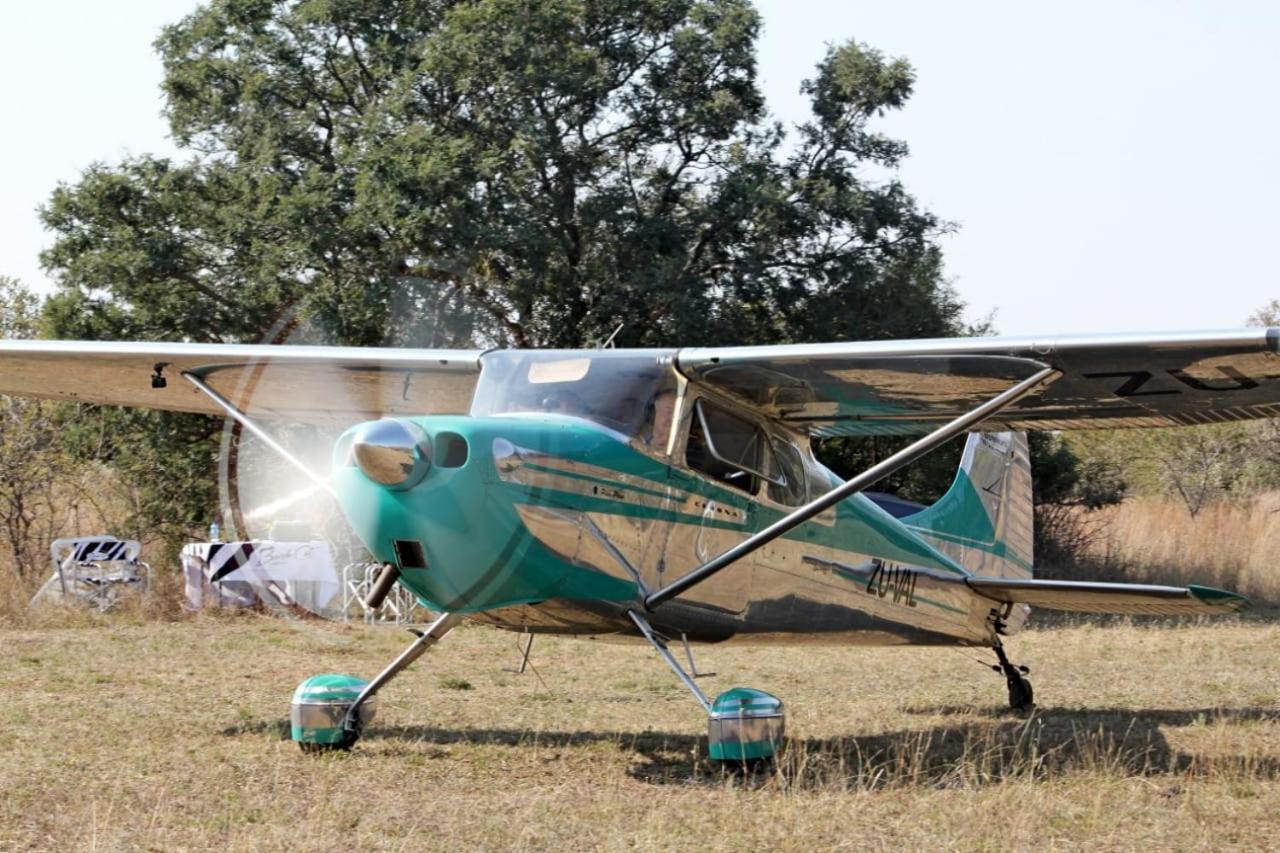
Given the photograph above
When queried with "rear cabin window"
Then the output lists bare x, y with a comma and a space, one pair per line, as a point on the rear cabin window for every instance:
792, 490
731, 449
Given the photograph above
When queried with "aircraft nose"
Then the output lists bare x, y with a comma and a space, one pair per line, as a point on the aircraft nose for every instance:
392, 452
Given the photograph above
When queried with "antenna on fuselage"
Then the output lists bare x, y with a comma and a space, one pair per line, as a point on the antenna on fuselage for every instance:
608, 342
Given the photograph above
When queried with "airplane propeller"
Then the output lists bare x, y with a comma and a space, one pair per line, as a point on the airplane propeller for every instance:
275, 476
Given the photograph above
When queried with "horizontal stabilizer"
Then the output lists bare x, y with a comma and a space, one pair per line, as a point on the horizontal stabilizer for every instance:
1121, 598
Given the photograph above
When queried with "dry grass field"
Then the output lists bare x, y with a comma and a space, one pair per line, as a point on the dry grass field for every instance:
1234, 545
152, 730
131, 733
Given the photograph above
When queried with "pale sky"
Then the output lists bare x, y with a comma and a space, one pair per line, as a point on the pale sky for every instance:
1112, 166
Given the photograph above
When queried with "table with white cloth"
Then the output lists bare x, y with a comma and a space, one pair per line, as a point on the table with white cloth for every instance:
273, 573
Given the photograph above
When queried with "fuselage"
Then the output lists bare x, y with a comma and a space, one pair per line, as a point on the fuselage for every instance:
533, 516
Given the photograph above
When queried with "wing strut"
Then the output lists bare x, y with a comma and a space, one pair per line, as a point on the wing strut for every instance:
876, 472
247, 422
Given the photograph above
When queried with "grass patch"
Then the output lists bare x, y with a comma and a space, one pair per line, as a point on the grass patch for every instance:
158, 735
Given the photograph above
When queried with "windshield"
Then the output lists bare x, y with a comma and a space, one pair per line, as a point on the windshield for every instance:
622, 390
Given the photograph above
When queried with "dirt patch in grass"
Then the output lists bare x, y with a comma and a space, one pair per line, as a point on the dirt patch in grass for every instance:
157, 735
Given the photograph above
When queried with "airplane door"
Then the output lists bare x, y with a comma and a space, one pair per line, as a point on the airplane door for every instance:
704, 529
713, 493
734, 587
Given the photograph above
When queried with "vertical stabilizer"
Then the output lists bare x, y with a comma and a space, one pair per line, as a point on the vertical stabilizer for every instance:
984, 521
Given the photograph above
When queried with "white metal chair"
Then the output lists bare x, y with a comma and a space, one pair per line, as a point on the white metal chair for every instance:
95, 570
358, 578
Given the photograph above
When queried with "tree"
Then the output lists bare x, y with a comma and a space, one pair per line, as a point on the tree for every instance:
1067, 490
1204, 464
1266, 315
549, 169
37, 476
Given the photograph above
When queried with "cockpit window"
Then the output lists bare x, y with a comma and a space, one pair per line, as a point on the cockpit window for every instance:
731, 449
625, 391
558, 370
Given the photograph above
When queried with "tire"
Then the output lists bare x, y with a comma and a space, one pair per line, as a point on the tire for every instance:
745, 767
1021, 695
312, 748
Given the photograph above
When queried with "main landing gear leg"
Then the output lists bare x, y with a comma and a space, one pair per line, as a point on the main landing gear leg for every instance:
1021, 696
330, 711
744, 725
661, 646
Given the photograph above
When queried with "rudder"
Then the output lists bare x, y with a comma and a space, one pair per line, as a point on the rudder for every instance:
984, 521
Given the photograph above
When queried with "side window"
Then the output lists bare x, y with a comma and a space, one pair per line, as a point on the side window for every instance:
729, 448
821, 481
792, 490
820, 478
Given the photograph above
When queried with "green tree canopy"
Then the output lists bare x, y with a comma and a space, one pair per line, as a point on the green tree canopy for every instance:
529, 174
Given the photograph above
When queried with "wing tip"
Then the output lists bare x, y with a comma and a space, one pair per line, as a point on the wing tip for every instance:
1225, 600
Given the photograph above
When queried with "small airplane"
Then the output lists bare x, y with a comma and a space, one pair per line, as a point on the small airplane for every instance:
664, 494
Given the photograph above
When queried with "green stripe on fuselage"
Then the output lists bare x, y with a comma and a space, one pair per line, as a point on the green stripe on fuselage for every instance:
860, 527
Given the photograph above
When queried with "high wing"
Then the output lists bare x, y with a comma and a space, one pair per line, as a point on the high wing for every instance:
321, 385
890, 387
1120, 598
826, 389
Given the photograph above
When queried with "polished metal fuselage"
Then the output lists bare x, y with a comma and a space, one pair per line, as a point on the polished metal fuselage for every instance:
854, 575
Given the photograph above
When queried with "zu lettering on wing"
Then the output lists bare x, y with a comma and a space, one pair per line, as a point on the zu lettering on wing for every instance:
1135, 380
892, 579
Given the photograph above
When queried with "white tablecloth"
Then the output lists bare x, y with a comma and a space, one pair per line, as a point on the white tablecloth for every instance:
240, 574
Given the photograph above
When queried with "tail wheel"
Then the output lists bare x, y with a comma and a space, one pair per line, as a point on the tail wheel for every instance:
1021, 696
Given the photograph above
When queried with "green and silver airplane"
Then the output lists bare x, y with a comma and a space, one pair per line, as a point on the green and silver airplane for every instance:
668, 495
